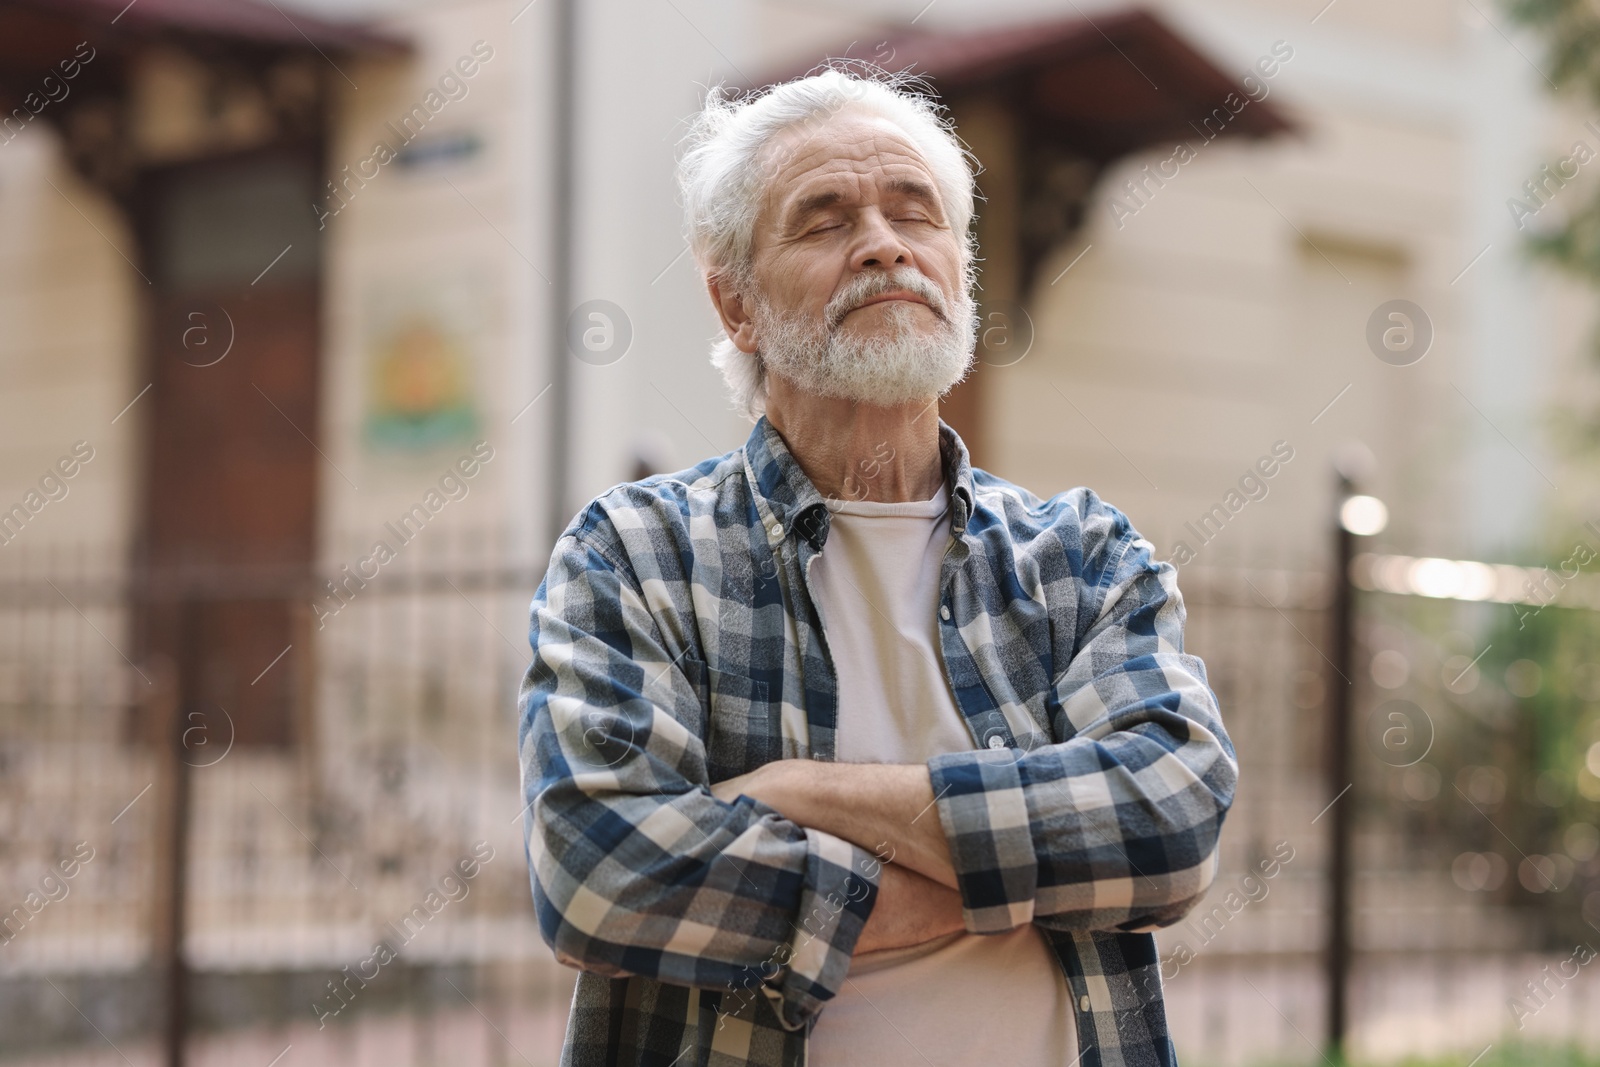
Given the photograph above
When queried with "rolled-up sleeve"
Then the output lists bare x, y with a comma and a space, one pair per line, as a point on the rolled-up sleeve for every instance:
637, 869
1115, 828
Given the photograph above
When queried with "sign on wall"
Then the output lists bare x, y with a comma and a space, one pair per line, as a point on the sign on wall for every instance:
423, 354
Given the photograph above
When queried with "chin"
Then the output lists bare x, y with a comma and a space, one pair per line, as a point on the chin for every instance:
893, 332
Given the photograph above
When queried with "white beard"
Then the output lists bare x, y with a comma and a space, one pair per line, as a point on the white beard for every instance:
911, 364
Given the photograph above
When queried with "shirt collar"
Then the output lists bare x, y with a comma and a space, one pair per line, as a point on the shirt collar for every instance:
789, 501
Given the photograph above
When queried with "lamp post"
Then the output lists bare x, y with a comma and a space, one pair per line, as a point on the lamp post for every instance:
1358, 516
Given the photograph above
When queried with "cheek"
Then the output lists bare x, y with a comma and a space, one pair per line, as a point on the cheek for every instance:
804, 281
940, 260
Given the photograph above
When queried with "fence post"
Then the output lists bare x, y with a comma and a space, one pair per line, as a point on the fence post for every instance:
1339, 778
304, 694
168, 704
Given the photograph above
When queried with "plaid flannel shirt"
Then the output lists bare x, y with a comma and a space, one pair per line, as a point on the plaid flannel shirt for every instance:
676, 644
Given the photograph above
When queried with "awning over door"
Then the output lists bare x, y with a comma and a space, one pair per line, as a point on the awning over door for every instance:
212, 76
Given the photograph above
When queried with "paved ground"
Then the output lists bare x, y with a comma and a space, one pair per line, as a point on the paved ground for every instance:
1223, 1012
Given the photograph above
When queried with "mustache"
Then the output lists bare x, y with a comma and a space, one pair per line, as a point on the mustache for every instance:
866, 286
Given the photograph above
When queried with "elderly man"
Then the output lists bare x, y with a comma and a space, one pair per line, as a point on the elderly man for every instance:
837, 749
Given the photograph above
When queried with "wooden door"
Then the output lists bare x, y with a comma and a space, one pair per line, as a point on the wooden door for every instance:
231, 468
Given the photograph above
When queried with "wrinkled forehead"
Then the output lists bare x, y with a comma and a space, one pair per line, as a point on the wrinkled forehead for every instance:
844, 151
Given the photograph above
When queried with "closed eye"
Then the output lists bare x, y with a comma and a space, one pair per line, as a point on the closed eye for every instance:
827, 226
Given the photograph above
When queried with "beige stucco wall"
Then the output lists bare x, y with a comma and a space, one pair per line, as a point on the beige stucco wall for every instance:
454, 236
67, 324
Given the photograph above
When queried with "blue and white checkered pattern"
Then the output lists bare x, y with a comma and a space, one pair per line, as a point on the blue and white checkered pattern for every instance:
676, 644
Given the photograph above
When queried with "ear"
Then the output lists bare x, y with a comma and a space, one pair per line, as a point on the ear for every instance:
735, 318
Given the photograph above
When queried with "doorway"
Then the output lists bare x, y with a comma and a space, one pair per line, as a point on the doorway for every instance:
229, 493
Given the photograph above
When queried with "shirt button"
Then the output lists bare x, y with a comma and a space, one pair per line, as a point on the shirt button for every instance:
1083, 1004
777, 529
944, 612
997, 741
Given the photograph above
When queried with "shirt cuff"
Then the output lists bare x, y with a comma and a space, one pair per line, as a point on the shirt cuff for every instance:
983, 809
841, 887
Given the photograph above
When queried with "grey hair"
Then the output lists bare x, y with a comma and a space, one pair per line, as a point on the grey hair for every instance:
722, 186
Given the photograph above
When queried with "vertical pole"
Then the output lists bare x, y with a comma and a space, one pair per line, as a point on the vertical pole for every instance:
564, 72
168, 706
1339, 778
303, 692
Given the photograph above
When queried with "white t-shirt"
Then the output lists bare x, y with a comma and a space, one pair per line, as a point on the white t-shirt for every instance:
963, 998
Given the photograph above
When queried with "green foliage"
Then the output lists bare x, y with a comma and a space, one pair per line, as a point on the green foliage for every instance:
1491, 782
1552, 683
1509, 1053
1571, 32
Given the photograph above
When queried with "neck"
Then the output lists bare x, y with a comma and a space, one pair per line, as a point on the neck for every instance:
855, 451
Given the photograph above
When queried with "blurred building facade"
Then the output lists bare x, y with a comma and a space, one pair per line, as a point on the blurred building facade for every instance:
1416, 127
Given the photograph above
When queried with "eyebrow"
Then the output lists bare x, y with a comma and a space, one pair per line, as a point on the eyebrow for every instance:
809, 205
915, 189
909, 187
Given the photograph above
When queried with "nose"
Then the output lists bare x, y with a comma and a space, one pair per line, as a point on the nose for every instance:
878, 245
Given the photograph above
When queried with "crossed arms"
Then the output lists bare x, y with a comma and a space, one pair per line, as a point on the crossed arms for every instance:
642, 866
882, 806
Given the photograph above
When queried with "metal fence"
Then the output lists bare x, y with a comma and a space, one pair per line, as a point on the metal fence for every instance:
1440, 967
361, 897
